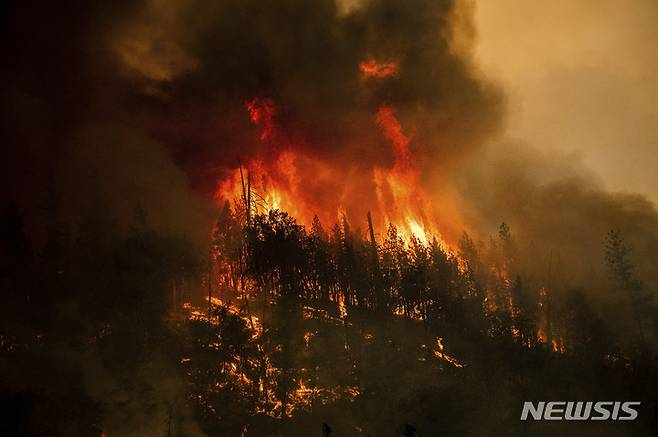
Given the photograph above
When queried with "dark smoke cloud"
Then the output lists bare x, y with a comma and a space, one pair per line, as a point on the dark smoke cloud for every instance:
64, 124
178, 73
305, 56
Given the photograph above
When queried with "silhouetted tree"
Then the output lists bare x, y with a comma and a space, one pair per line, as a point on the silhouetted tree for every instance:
617, 257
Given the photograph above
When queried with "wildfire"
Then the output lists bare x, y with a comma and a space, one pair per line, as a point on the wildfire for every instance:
289, 179
303, 397
399, 192
441, 355
196, 313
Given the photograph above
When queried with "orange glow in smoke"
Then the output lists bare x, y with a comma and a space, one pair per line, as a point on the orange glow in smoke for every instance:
262, 112
374, 69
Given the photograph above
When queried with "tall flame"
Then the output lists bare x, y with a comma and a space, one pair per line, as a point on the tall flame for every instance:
305, 186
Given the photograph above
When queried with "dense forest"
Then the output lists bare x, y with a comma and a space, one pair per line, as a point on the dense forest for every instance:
282, 330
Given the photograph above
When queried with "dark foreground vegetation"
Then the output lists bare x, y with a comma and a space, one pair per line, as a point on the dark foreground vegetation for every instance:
312, 332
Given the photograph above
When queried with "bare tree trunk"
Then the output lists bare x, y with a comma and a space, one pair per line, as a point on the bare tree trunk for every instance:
549, 312
169, 420
372, 232
246, 195
209, 285
376, 279
244, 296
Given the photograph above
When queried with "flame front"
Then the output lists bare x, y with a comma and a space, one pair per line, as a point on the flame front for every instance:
288, 178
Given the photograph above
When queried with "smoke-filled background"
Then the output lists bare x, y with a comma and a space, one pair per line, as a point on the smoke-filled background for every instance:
542, 116
580, 78
578, 155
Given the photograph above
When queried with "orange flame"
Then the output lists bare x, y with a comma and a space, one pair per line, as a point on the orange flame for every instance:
262, 112
289, 179
399, 191
373, 69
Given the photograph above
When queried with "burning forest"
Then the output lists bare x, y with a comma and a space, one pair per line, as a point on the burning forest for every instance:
301, 218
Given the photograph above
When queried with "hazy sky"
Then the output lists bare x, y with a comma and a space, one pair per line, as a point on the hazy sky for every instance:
581, 76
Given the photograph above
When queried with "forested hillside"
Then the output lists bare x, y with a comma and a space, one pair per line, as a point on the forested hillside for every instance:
320, 331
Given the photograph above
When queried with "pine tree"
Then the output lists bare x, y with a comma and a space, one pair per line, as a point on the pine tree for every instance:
617, 257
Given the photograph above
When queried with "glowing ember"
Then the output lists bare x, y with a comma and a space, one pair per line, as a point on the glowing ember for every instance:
440, 354
374, 69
